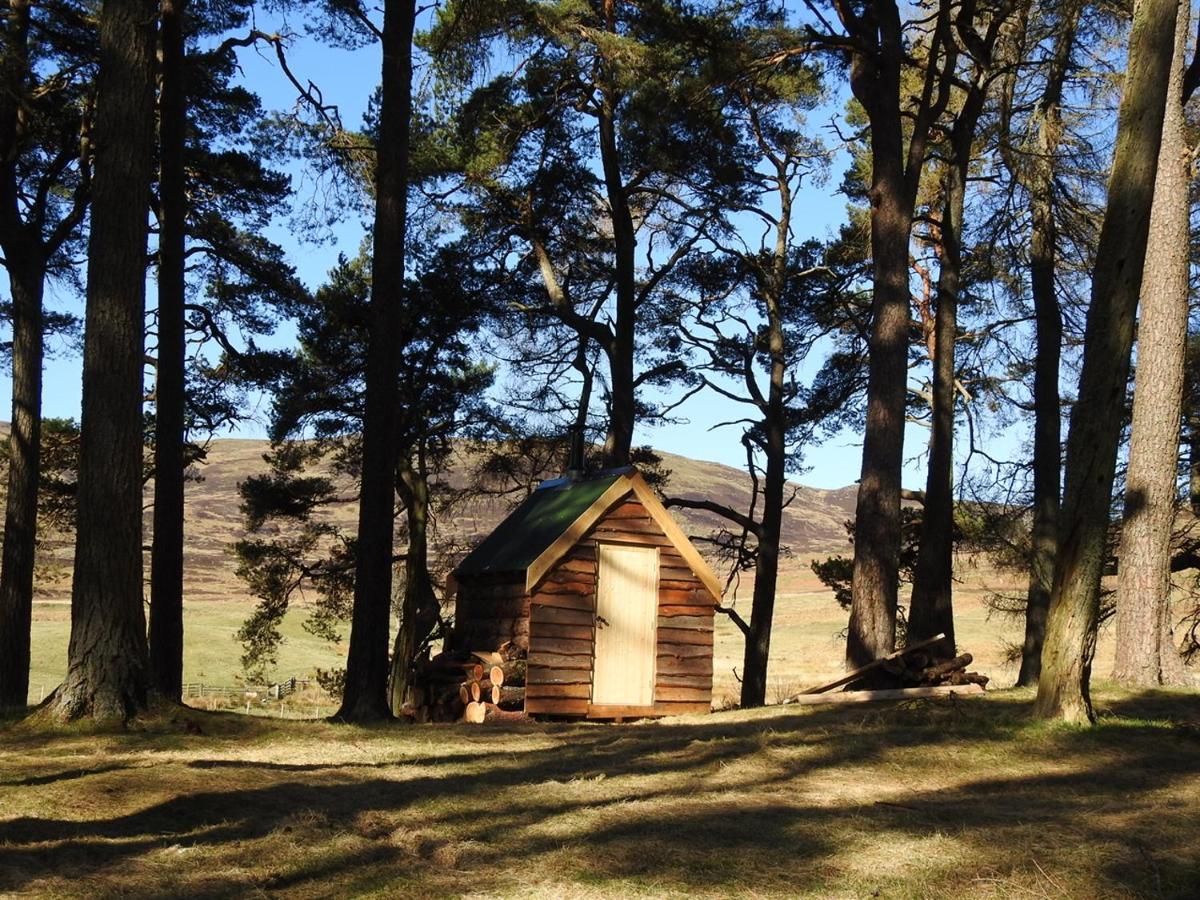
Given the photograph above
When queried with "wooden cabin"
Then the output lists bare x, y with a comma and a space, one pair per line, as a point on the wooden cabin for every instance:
595, 580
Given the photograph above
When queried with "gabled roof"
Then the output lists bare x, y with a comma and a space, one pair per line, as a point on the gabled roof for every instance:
534, 525
539, 532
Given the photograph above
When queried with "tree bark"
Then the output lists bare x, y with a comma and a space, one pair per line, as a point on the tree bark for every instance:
872, 630
1145, 651
770, 530
1194, 465
366, 693
26, 283
1047, 405
931, 609
166, 556
622, 403
1096, 420
107, 677
1192, 390
419, 608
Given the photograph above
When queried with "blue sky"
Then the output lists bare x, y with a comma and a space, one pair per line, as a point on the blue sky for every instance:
348, 78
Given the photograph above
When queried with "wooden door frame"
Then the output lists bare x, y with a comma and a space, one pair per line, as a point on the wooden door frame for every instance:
623, 710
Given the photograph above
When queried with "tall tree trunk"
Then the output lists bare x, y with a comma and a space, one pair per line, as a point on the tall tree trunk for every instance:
166, 557
872, 631
1047, 405
107, 677
1192, 390
931, 609
26, 280
622, 402
1145, 651
770, 530
366, 694
419, 608
896, 167
577, 454
766, 565
1096, 420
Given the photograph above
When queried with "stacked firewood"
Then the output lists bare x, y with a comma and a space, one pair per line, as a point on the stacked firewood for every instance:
921, 668
916, 670
468, 687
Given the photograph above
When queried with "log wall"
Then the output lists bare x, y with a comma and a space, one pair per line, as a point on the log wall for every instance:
490, 611
561, 626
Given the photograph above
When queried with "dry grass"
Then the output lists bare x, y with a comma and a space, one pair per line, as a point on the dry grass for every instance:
917, 800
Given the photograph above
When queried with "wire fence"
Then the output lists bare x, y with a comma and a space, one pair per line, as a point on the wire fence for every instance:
293, 698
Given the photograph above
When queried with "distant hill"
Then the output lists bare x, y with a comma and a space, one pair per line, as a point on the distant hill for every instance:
813, 522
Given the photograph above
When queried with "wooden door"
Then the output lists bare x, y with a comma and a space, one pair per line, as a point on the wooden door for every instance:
626, 624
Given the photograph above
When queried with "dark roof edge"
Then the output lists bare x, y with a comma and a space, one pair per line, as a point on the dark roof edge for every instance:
571, 479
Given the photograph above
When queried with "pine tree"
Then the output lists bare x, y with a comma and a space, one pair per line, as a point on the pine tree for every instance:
1063, 688
107, 673
1145, 651
46, 92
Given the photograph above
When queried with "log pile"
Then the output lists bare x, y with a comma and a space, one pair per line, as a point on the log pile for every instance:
468, 687
921, 668
917, 668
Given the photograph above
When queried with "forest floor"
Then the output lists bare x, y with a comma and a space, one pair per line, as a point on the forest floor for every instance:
922, 799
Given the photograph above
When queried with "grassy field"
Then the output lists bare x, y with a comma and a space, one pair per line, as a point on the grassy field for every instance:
806, 646
926, 799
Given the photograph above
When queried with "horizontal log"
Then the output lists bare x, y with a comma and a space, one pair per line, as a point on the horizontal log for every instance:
554, 630
678, 579
572, 691
561, 645
707, 612
580, 586
540, 660
512, 697
584, 549
628, 510
613, 711
693, 694
541, 675
693, 623
684, 636
673, 582
514, 671
685, 651
684, 681
577, 566
629, 537
629, 525
496, 713
674, 665
560, 616
697, 597
473, 591
876, 664
505, 608
945, 690
498, 624
497, 638
571, 578
682, 708
932, 674
556, 706
564, 601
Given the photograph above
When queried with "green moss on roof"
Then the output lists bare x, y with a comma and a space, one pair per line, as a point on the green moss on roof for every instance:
535, 525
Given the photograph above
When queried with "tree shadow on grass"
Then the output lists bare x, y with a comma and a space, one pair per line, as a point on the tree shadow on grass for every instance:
683, 805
